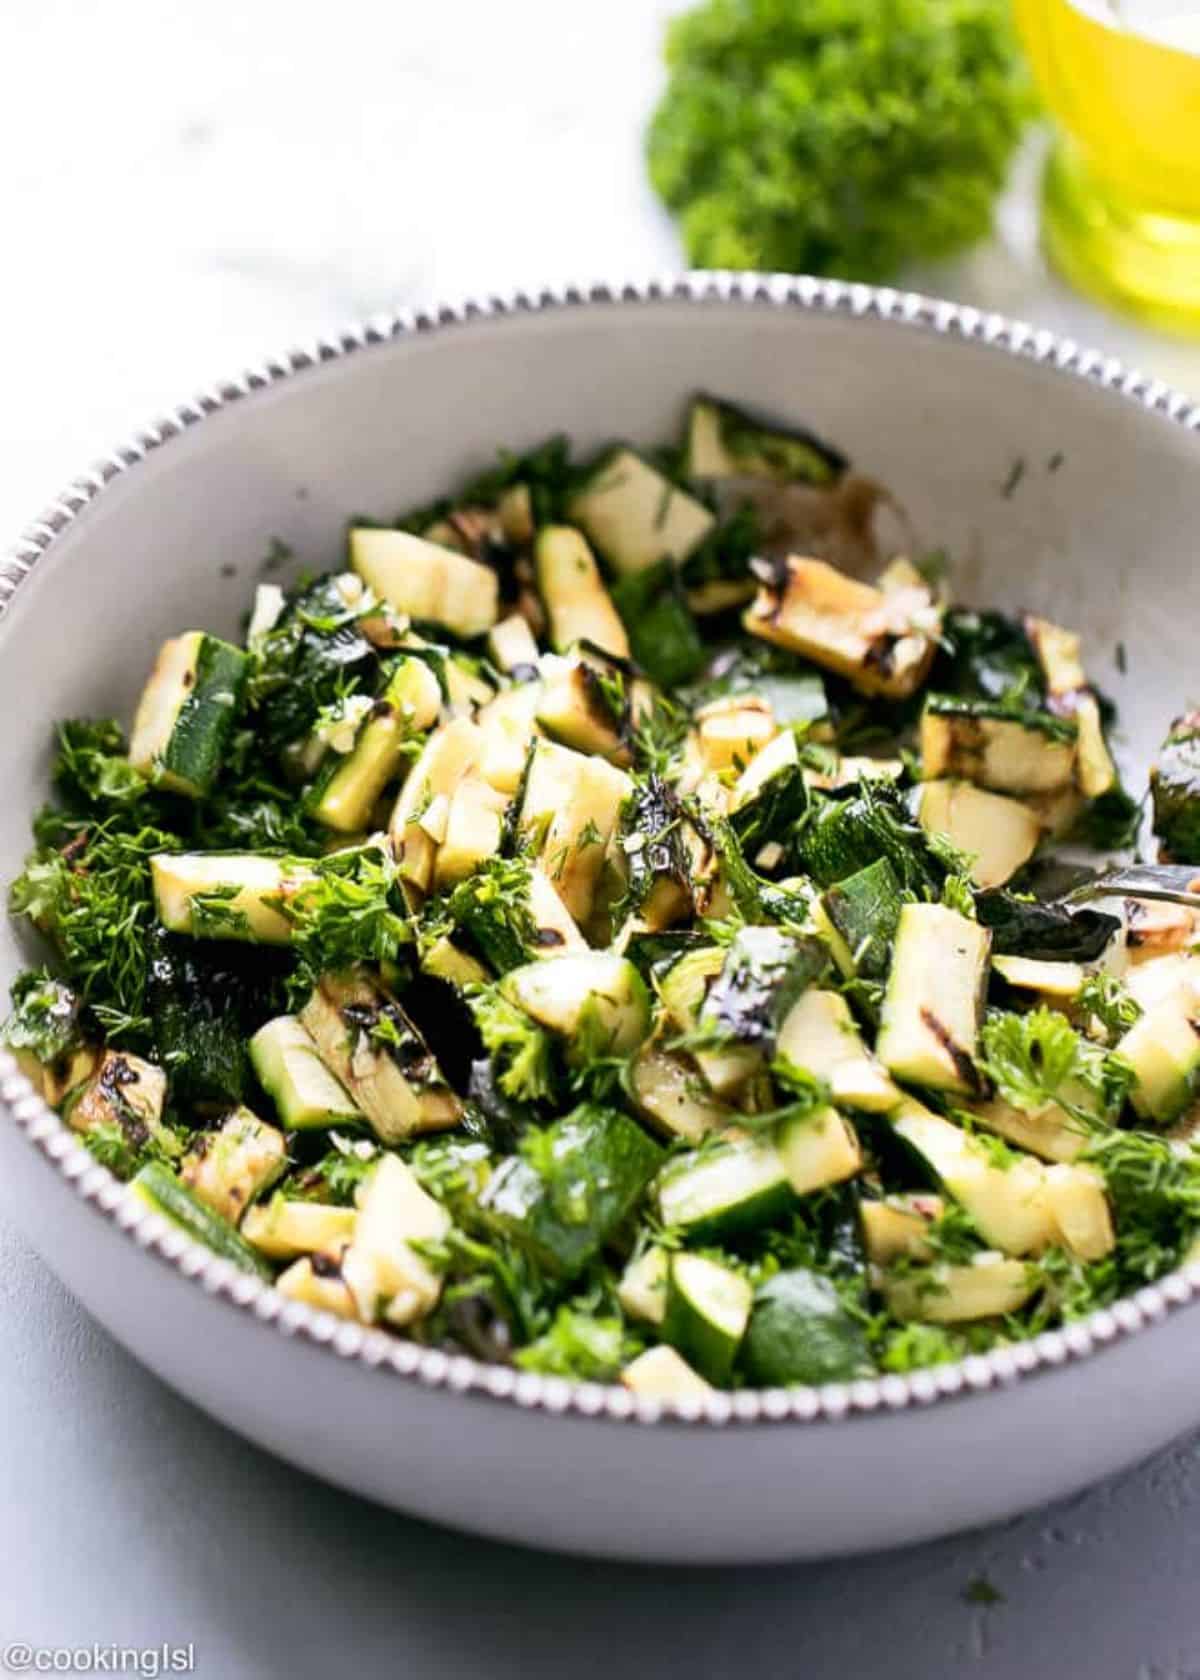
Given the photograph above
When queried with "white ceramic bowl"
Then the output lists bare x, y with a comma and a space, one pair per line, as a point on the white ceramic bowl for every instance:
1097, 527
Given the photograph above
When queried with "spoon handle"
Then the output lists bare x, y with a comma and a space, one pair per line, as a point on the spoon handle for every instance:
1174, 883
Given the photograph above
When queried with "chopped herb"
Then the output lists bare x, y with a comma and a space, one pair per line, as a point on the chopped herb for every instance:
352, 914
979, 1590
1015, 474
521, 1049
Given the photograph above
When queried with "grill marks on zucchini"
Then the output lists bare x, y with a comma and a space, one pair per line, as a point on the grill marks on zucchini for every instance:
933, 1003
882, 642
696, 991
365, 1039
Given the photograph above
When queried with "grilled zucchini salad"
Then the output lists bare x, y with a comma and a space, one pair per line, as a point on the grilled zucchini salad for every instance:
606, 926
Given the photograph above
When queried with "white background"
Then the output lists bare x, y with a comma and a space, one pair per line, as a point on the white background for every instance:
183, 188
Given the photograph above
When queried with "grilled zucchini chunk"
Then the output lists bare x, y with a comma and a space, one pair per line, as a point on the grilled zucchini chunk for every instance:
732, 1001
881, 642
990, 1285
1095, 771
668, 1091
642, 1290
1058, 653
594, 1000
765, 970
374, 1051
482, 907
346, 793
994, 747
569, 810
1020, 1206
997, 834
858, 918
1007, 1203
418, 821
125, 1094
1175, 789
800, 1331
602, 1160
731, 732
724, 1190
663, 853
637, 517
157, 1188
1055, 983
426, 581
683, 982
228, 895
818, 1150
660, 1374
773, 766
1050, 1132
187, 711
306, 1095
723, 441
1059, 656
578, 606
443, 958
1163, 1049
707, 1311
898, 1225
819, 1035
385, 1264
473, 833
576, 707
46, 1038
315, 1280
512, 647
934, 999
1078, 1203
231, 1167
853, 830
284, 1229
508, 726
467, 688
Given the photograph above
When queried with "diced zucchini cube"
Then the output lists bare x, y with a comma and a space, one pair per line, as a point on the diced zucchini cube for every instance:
636, 516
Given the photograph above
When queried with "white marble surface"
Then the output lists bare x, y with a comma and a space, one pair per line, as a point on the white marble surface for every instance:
183, 188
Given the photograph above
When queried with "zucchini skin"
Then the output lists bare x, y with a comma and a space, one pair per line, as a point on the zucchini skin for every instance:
845, 835
663, 638
203, 1008
757, 448
193, 756
764, 972
603, 1163
1175, 789
800, 1332
161, 1191
865, 910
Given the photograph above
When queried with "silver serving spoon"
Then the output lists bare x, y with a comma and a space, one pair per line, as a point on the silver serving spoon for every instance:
1173, 883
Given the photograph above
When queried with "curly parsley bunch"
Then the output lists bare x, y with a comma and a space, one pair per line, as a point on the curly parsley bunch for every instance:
836, 136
